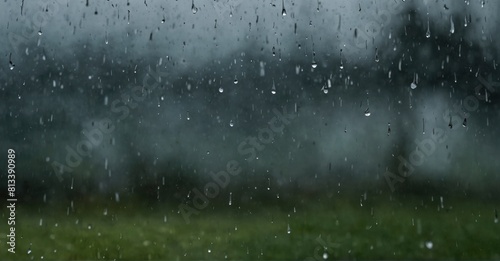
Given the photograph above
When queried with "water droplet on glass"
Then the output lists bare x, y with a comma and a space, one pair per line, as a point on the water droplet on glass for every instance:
235, 81
367, 112
464, 123
288, 230
325, 256
231, 123
429, 244
452, 25
428, 33
413, 86
221, 90
40, 32
273, 89
314, 65
194, 8
29, 251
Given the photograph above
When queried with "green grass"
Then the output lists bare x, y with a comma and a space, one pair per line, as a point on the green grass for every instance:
380, 229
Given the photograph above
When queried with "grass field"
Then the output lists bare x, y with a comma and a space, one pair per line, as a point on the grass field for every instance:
383, 228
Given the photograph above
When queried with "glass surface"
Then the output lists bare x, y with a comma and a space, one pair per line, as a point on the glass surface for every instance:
249, 130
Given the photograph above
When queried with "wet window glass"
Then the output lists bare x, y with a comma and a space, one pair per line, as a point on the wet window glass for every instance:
249, 130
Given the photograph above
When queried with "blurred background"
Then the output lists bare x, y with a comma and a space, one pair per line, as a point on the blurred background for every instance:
251, 129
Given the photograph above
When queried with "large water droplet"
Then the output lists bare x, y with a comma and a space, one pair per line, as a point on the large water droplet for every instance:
194, 8
367, 112
413, 85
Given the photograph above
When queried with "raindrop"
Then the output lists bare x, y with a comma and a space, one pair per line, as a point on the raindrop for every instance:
231, 123
11, 64
273, 89
452, 25
235, 81
314, 64
40, 32
367, 112
388, 128
341, 62
29, 251
413, 85
221, 90
464, 123
283, 11
428, 33
194, 8
376, 55
230, 198
496, 216
325, 256
288, 230
429, 244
